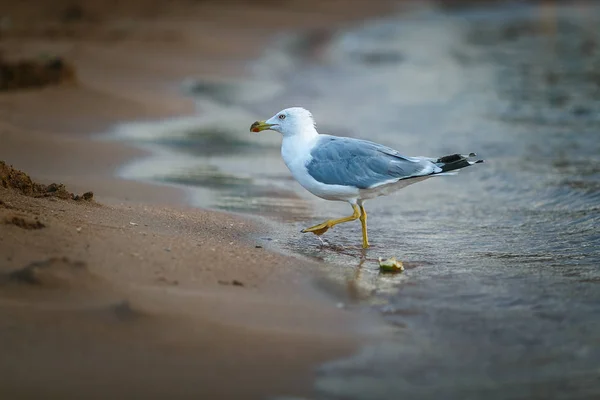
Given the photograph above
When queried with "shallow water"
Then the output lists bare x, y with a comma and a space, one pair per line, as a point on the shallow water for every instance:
501, 297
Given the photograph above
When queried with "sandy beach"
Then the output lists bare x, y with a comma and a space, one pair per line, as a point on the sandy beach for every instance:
133, 293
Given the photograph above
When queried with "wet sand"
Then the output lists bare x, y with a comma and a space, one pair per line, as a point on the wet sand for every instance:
135, 294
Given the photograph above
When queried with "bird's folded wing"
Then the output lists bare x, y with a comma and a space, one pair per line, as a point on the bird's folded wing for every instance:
362, 164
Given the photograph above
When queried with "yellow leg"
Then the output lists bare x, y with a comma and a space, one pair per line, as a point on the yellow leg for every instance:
324, 227
363, 223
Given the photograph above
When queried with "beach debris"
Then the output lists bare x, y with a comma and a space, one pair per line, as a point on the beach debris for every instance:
78, 229
12, 178
390, 265
234, 282
24, 223
21, 74
133, 224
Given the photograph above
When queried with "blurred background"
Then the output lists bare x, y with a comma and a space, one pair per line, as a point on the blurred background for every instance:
501, 295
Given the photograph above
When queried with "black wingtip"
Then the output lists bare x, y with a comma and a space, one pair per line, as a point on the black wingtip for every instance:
450, 159
456, 161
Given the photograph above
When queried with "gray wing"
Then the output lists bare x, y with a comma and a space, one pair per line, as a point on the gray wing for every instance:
362, 164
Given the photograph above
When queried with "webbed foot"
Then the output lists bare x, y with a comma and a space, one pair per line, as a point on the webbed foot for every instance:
318, 229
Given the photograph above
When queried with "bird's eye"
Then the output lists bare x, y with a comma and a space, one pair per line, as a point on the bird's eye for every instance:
281, 116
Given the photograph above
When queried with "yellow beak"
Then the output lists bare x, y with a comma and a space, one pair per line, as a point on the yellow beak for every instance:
260, 126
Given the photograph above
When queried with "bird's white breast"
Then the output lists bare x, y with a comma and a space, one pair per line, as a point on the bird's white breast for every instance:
295, 151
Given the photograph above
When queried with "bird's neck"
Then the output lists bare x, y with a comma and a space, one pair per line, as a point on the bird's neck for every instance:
305, 133
295, 147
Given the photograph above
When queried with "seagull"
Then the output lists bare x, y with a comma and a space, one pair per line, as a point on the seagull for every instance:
347, 169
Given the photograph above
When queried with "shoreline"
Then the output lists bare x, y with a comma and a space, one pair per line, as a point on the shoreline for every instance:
140, 287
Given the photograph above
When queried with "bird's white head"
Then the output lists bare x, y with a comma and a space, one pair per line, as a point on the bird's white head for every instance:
288, 122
